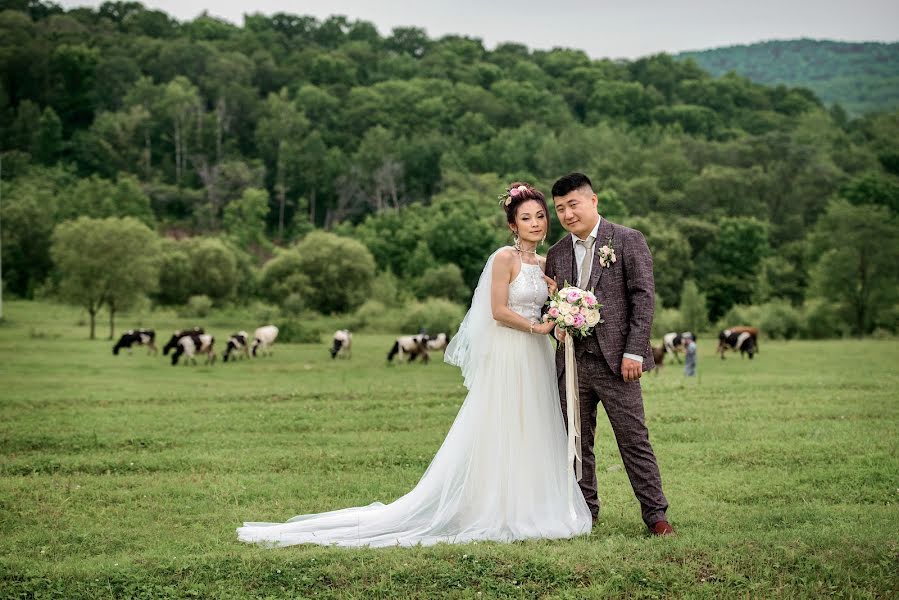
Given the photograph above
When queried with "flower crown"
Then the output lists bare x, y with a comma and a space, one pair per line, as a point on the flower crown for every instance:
506, 198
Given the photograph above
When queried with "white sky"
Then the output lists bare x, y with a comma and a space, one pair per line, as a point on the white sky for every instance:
602, 28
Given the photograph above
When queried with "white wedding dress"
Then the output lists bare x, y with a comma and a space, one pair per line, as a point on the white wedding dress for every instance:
502, 472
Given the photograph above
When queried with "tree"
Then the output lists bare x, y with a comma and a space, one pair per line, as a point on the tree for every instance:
339, 270
693, 307
245, 218
444, 281
857, 262
727, 269
105, 261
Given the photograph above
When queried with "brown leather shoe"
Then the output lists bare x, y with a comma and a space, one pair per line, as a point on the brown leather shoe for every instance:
662, 528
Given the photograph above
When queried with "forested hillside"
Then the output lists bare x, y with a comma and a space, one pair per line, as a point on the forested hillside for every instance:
320, 165
863, 77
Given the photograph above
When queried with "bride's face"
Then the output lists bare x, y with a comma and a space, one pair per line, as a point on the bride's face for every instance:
530, 221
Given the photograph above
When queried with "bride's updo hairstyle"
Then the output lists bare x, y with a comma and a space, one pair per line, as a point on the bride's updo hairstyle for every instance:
519, 193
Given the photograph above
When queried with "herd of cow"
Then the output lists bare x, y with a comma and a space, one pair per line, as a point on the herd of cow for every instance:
742, 339
192, 342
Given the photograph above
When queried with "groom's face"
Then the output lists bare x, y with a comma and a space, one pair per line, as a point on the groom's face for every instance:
577, 211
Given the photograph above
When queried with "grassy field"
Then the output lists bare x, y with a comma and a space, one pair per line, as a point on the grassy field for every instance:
126, 477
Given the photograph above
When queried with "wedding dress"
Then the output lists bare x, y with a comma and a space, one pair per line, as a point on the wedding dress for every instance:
501, 473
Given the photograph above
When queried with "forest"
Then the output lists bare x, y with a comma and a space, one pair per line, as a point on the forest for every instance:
312, 166
863, 77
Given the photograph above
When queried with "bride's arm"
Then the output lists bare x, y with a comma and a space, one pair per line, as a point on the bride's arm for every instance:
501, 277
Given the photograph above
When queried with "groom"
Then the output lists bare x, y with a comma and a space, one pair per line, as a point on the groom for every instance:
615, 262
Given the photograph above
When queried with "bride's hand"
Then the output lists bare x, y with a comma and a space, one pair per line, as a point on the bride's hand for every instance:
551, 284
544, 328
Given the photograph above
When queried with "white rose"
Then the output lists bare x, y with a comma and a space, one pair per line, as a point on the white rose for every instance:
564, 308
569, 320
592, 317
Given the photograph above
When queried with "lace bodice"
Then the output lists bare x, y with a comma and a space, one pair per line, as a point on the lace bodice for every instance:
528, 292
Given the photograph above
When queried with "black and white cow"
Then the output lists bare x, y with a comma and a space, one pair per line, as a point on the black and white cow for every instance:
438, 342
136, 337
177, 335
263, 339
674, 343
238, 343
343, 344
190, 345
413, 345
741, 341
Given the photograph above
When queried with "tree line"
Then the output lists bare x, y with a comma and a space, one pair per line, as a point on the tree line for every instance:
242, 148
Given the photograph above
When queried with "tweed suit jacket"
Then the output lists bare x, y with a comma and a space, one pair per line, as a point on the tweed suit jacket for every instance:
625, 289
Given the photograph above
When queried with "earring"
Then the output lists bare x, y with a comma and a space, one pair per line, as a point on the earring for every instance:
543, 241
517, 241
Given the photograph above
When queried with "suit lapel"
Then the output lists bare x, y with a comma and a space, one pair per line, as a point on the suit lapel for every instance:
602, 238
568, 270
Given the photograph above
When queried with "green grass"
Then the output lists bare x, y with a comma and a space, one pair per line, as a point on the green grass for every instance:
126, 477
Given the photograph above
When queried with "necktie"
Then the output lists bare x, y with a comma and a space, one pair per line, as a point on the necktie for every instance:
586, 262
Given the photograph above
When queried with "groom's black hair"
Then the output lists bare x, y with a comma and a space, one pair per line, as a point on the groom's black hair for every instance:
567, 184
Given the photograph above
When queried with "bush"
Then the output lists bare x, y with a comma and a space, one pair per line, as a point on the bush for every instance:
740, 314
374, 316
435, 315
778, 319
822, 319
197, 306
297, 332
444, 281
665, 320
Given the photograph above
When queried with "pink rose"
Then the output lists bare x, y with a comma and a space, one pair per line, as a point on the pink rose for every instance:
573, 296
553, 312
579, 320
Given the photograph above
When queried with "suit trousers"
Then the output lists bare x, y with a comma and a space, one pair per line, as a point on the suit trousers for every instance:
623, 403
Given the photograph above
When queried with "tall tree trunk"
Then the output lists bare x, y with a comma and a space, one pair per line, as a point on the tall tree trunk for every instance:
177, 153
279, 188
111, 320
93, 313
312, 208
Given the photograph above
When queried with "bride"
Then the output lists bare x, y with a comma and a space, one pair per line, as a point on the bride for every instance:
502, 472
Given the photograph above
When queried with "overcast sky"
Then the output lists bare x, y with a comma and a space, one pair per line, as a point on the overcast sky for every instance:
602, 28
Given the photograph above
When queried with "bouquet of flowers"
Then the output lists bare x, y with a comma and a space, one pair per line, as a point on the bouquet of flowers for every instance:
573, 310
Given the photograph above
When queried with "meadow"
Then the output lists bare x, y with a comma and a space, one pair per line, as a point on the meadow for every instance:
122, 476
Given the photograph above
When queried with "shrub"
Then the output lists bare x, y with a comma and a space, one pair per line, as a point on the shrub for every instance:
436, 315
297, 332
778, 319
444, 281
197, 306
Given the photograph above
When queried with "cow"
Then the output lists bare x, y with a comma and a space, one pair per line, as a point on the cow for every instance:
753, 331
742, 341
439, 342
192, 344
674, 343
238, 343
137, 337
343, 344
263, 339
177, 335
658, 355
413, 345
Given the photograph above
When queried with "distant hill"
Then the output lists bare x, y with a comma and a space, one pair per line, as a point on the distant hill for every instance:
863, 77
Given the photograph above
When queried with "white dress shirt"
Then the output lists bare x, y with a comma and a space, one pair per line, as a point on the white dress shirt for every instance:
579, 251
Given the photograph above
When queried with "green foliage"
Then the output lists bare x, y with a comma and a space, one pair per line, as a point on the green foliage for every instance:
97, 198
198, 306
244, 218
727, 269
213, 269
298, 332
283, 276
856, 255
444, 281
780, 319
692, 308
857, 75
104, 261
436, 315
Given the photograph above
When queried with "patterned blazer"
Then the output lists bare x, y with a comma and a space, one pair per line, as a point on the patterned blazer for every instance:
625, 289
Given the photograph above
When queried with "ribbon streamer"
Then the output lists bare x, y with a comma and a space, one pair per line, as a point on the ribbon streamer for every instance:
573, 406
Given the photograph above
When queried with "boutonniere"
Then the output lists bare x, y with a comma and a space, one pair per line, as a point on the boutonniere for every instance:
607, 254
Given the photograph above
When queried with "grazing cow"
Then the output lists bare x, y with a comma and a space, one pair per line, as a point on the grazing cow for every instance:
743, 341
263, 338
439, 342
136, 337
674, 343
658, 355
753, 331
192, 344
237, 343
413, 345
180, 333
343, 344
